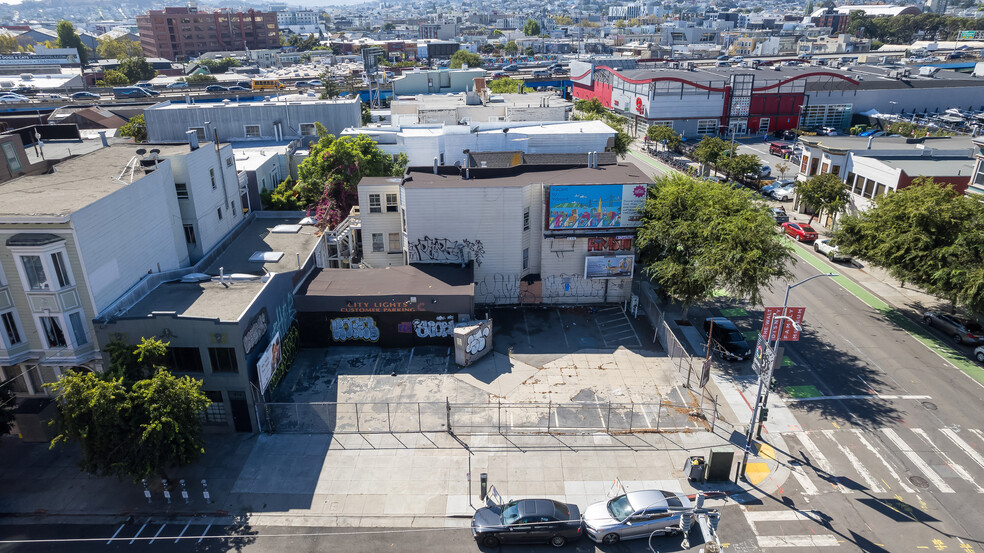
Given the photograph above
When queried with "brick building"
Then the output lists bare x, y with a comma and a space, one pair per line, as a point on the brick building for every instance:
179, 33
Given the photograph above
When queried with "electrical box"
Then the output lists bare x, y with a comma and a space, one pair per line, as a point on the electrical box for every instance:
719, 464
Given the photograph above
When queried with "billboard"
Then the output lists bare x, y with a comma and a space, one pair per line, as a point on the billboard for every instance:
595, 206
610, 266
268, 363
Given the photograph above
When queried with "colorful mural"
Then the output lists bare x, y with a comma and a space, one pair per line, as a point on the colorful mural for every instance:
595, 206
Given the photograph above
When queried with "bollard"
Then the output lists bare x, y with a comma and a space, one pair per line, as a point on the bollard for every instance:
184, 491
146, 490
205, 493
167, 494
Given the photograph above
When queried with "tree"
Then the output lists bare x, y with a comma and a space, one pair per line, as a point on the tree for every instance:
332, 90
387, 27
118, 49
497, 33
68, 38
825, 193
217, 67
709, 150
200, 78
486, 49
592, 106
137, 69
464, 57
135, 128
366, 115
563, 20
9, 44
529, 51
741, 165
783, 168
506, 85
512, 47
112, 77
531, 28
698, 236
131, 428
661, 134
927, 234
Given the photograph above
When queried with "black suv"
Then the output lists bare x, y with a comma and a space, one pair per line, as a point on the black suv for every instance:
727, 340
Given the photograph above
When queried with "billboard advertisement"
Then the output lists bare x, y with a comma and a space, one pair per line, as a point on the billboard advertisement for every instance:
610, 266
268, 363
595, 206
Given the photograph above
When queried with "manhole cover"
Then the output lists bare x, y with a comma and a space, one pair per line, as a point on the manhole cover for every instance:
929, 405
919, 482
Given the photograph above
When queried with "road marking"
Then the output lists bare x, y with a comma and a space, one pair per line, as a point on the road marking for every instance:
778, 516
888, 467
971, 452
183, 530
804, 481
138, 533
206, 531
159, 530
821, 461
917, 460
977, 433
116, 534
821, 540
756, 472
862, 470
956, 468
863, 396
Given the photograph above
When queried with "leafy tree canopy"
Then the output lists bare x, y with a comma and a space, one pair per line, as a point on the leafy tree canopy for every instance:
512, 47
659, 133
507, 85
118, 48
531, 28
825, 193
137, 69
217, 67
464, 57
68, 38
112, 77
741, 165
135, 128
200, 78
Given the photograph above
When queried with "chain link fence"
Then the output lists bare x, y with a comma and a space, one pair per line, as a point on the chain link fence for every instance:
649, 302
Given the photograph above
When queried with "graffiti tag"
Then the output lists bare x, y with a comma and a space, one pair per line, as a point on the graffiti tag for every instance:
442, 250
443, 327
354, 328
477, 341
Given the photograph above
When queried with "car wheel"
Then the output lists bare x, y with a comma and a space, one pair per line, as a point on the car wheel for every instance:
816, 248
490, 541
957, 338
610, 539
799, 238
928, 321
980, 356
558, 541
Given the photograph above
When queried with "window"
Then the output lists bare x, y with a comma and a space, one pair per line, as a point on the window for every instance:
223, 360
813, 166
391, 205
879, 190
190, 234
219, 213
526, 218
707, 126
308, 129
805, 164
375, 205
34, 272
394, 242
526, 258
61, 272
232, 208
12, 160
184, 360
78, 328
764, 125
51, 328
252, 131
377, 241
10, 326
229, 161
869, 187
182, 190
216, 411
199, 133
850, 180
211, 175
836, 169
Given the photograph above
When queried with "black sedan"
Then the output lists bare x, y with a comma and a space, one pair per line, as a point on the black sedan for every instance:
216, 88
727, 339
527, 521
84, 95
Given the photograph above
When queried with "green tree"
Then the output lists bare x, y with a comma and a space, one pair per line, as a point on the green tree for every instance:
927, 234
112, 77
68, 38
387, 27
592, 106
825, 193
741, 165
486, 49
200, 78
131, 429
9, 44
512, 47
137, 69
531, 28
366, 115
118, 49
217, 67
464, 57
528, 51
710, 149
332, 90
697, 236
497, 32
135, 128
659, 133
563, 20
506, 85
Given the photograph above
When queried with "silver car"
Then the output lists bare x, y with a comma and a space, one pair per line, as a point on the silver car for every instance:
962, 331
636, 515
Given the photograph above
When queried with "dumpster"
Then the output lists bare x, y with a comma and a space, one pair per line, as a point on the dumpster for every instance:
694, 469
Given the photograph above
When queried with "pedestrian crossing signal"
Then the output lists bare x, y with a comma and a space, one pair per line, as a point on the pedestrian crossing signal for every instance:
764, 414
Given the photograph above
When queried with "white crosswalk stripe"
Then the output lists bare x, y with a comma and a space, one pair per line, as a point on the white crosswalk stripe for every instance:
804, 481
865, 475
888, 467
819, 461
757, 519
971, 452
956, 468
917, 461
808, 540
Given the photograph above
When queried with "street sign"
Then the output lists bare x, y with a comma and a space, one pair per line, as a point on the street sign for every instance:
770, 323
705, 372
763, 355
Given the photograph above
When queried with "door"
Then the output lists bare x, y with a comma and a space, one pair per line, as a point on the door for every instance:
240, 412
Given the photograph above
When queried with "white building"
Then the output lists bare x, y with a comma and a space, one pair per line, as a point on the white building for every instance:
472, 108
288, 18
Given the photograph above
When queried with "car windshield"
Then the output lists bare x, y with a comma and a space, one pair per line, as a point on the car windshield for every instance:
735, 336
807, 228
510, 513
620, 508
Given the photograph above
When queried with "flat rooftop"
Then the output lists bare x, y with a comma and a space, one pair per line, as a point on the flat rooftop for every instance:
402, 280
857, 143
250, 156
424, 177
453, 100
933, 167
260, 236
273, 101
75, 183
224, 301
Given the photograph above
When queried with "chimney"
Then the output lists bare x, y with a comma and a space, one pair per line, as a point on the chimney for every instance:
222, 275
870, 140
467, 168
192, 140
435, 165
102, 137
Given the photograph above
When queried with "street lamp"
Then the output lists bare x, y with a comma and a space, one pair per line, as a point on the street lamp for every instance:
765, 375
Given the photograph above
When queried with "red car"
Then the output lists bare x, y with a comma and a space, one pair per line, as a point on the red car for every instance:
800, 231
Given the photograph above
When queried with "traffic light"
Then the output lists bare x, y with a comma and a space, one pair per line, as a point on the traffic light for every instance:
772, 385
764, 414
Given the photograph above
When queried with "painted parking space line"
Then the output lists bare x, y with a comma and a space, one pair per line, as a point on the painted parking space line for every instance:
891, 470
918, 461
118, 530
137, 535
856, 463
159, 530
205, 532
183, 530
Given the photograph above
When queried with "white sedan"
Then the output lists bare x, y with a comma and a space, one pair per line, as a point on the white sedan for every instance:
827, 247
784, 194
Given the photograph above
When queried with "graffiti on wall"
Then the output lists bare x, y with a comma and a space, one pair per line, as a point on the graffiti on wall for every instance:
354, 328
499, 288
441, 327
443, 250
476, 342
610, 244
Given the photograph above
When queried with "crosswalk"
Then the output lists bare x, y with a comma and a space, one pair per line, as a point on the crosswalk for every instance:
889, 465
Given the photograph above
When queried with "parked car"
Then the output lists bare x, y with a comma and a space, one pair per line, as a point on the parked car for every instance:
961, 330
784, 193
635, 515
302, 84
767, 189
779, 214
763, 173
216, 88
558, 71
316, 83
800, 231
726, 339
979, 354
236, 88
245, 84
827, 247
780, 149
737, 59
540, 73
527, 521
785, 135
499, 75
722, 58
177, 84
830, 131
11, 98
511, 68
84, 95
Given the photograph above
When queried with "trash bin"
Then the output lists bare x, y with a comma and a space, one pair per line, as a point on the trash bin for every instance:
694, 468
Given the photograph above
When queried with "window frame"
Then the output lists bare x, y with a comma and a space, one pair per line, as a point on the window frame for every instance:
171, 359
378, 207
17, 330
246, 133
44, 253
181, 190
526, 259
43, 331
193, 239
376, 248
201, 136
78, 330
214, 362
398, 244
526, 218
393, 207
313, 129
11, 154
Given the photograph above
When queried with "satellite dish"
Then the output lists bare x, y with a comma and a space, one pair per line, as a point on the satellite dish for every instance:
141, 151
155, 150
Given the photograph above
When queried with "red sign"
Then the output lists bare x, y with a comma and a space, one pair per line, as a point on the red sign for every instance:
770, 324
639, 107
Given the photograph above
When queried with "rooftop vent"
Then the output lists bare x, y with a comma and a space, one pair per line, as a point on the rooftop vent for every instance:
266, 257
